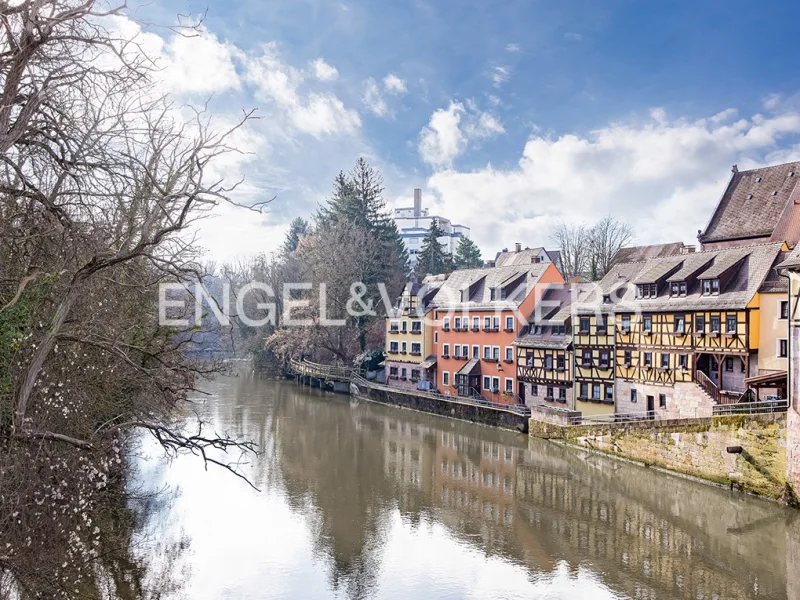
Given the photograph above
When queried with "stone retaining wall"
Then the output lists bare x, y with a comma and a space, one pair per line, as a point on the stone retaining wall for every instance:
696, 447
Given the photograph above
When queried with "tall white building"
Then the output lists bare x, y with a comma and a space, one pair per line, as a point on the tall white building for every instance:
414, 222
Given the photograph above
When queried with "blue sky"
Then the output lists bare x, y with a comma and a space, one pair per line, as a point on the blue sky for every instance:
510, 115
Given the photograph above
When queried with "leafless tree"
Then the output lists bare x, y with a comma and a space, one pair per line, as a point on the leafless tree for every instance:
573, 243
606, 237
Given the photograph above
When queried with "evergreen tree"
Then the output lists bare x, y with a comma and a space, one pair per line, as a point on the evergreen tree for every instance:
468, 255
298, 227
432, 259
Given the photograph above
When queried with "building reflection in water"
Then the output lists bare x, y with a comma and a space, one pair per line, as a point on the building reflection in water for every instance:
350, 467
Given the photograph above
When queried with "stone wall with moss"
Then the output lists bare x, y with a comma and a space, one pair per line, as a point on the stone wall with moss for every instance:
696, 447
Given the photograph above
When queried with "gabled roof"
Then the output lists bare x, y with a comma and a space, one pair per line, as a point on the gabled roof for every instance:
640, 253
523, 257
792, 261
754, 204
658, 269
449, 294
775, 283
692, 265
723, 261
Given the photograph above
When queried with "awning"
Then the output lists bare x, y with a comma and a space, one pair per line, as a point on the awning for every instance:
428, 362
470, 367
777, 379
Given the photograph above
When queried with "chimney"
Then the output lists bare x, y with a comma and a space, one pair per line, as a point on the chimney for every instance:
518, 247
734, 169
417, 202
688, 250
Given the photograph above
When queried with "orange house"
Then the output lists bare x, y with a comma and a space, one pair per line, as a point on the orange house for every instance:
478, 314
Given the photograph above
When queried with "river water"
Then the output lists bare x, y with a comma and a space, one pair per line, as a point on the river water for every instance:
361, 500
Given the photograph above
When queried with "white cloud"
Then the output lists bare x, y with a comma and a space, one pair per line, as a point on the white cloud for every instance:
373, 99
200, 64
572, 36
394, 85
314, 113
663, 176
513, 48
772, 101
500, 75
323, 71
450, 131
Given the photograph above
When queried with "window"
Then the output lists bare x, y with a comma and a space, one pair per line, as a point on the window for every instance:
445, 378
662, 400
730, 324
487, 382
446, 350
680, 323
549, 392
609, 392
628, 357
706, 287
464, 351
435, 337
534, 390
405, 326
548, 362
559, 329
509, 323
648, 359
487, 322
678, 288
626, 323
587, 357
783, 309
700, 324
783, 348
393, 347
710, 286
664, 360
684, 361
509, 382
561, 363
456, 351
487, 352
634, 398
457, 323
476, 352
715, 324
595, 391
584, 390
715, 286
403, 347
584, 325
604, 358
495, 384
476, 323
414, 375
403, 373
394, 327
729, 365
393, 372
648, 290
509, 354
496, 323
602, 324
648, 323
416, 326
562, 394
446, 324
415, 348
496, 352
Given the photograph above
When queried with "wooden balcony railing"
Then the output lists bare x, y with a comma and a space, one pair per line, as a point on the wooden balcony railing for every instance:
709, 387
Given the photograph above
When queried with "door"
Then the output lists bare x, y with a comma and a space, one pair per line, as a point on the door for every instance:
521, 392
651, 407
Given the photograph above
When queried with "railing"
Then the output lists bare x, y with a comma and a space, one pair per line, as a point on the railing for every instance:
752, 408
709, 387
320, 371
478, 400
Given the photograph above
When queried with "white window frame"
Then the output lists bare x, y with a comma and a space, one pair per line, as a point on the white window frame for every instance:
510, 353
393, 347
487, 355
435, 337
456, 350
457, 323
496, 352
476, 322
487, 322
478, 353
419, 347
778, 348
780, 302
446, 378
487, 379
509, 384
496, 322
394, 325
509, 322
495, 383
465, 351
445, 349
403, 346
446, 322
404, 326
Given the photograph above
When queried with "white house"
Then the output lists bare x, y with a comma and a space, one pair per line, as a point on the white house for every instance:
414, 222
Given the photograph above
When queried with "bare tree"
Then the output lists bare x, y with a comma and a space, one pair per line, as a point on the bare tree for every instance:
606, 237
573, 243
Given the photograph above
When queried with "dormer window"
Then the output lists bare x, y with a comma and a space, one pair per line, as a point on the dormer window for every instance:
678, 289
710, 287
647, 290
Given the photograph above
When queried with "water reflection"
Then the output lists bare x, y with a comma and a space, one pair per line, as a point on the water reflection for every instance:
361, 500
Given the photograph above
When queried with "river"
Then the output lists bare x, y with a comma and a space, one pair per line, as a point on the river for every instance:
361, 500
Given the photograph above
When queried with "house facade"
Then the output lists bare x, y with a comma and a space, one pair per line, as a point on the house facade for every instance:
409, 339
478, 314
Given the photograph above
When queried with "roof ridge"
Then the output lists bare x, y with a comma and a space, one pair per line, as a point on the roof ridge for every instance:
791, 162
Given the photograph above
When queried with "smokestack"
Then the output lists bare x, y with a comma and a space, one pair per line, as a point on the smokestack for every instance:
417, 202
518, 247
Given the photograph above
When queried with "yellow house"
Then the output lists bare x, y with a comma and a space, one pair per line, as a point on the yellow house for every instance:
770, 330
409, 337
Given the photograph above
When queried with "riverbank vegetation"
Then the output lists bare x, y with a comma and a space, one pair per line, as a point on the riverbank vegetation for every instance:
102, 178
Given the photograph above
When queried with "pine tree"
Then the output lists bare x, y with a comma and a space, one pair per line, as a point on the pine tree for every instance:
468, 255
432, 259
298, 227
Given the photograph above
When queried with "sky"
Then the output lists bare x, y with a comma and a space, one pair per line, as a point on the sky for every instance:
511, 116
